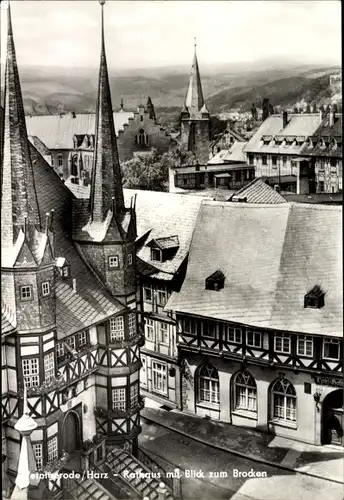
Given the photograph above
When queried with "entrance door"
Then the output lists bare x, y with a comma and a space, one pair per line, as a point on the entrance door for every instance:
333, 418
71, 432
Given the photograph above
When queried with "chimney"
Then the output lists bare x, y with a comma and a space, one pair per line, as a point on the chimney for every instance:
332, 117
73, 114
277, 188
285, 119
74, 284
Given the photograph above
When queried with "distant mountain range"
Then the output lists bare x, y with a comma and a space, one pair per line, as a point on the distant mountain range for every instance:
50, 89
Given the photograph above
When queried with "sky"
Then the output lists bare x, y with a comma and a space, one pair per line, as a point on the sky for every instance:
161, 33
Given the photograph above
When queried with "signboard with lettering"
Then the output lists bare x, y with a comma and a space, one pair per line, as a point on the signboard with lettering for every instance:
334, 382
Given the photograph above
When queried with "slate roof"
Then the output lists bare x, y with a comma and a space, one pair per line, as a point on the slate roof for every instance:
165, 243
327, 132
299, 126
257, 191
271, 256
57, 132
233, 154
316, 198
90, 303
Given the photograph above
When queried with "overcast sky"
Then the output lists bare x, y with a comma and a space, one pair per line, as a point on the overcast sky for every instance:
161, 33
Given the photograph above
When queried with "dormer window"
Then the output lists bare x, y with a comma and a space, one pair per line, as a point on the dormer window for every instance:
315, 298
63, 267
163, 248
215, 281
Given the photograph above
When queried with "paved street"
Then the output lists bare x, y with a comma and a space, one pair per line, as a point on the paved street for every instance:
188, 454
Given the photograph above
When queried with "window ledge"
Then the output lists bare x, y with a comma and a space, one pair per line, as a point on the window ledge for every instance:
160, 393
252, 415
284, 423
209, 406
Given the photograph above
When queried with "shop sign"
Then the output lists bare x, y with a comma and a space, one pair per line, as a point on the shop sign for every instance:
334, 382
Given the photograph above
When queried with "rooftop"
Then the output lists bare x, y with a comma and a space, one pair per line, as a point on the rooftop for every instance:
279, 252
233, 154
257, 191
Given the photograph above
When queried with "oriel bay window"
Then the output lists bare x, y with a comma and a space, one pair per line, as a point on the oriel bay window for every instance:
208, 385
283, 401
38, 452
119, 399
116, 329
52, 449
132, 325
134, 395
245, 392
49, 366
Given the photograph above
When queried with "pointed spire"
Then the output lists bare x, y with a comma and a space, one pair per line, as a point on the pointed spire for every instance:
150, 109
19, 197
194, 100
106, 173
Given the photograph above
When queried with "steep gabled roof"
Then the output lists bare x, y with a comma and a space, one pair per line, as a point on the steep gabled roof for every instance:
234, 154
257, 191
271, 256
194, 101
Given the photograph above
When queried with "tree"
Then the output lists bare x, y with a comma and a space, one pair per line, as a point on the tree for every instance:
217, 126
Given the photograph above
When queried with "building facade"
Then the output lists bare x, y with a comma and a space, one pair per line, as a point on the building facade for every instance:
260, 332
70, 332
70, 139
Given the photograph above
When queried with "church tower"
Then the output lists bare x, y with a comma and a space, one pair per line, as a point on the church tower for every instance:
105, 233
195, 125
27, 273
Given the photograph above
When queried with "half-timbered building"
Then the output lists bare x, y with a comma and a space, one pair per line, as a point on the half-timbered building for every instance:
260, 319
69, 326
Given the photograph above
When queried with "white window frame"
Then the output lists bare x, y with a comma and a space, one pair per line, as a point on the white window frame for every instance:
144, 377
49, 366
38, 453
71, 342
131, 325
163, 333
149, 329
116, 328
26, 292
190, 322
161, 293
30, 367
284, 397
45, 288
208, 385
211, 324
254, 333
82, 338
134, 395
159, 377
119, 399
52, 447
130, 259
285, 340
60, 349
246, 395
113, 261
331, 341
237, 334
154, 253
307, 341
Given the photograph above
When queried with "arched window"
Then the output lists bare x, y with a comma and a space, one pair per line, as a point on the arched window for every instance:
245, 392
208, 385
284, 401
141, 137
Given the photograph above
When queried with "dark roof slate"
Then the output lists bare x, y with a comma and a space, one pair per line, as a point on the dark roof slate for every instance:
257, 191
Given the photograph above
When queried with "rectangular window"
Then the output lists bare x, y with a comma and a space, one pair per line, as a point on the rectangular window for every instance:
113, 261
45, 288
209, 329
264, 160
156, 254
26, 292
284, 159
71, 342
59, 349
60, 160
49, 366
149, 327
143, 377
304, 346
190, 325
147, 294
82, 338
234, 335
162, 297
38, 452
52, 449
116, 329
118, 399
253, 339
274, 160
134, 395
333, 162
282, 343
163, 333
30, 372
130, 259
321, 186
159, 379
250, 159
331, 349
132, 325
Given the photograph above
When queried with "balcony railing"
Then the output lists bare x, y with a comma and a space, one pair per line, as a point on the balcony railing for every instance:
111, 413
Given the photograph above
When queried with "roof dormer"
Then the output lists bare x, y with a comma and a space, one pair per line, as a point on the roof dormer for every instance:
315, 298
215, 281
163, 248
63, 267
